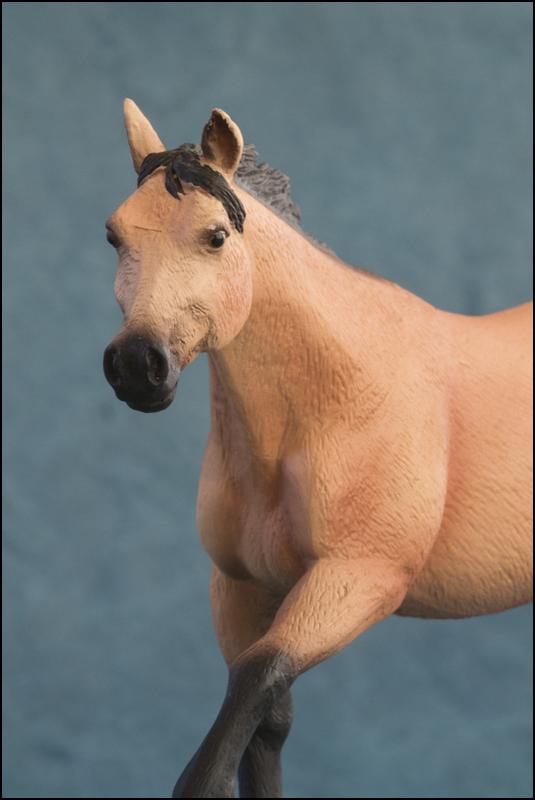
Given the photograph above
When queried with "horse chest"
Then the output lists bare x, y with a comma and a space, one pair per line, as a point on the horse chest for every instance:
247, 529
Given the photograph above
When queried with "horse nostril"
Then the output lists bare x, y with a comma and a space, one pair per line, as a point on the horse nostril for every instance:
157, 366
111, 370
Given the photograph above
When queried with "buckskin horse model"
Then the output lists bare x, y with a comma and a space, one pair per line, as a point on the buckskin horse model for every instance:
369, 454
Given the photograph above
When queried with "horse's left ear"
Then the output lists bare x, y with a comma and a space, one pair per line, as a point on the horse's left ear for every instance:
142, 137
222, 143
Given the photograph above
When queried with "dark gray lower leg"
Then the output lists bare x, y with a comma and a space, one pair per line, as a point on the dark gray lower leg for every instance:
260, 773
256, 682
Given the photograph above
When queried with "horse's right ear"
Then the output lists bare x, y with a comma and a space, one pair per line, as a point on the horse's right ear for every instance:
142, 137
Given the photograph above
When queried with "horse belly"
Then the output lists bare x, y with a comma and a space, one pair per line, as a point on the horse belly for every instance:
470, 573
482, 560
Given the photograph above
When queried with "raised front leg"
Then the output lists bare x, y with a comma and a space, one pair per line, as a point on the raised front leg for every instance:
242, 612
260, 771
334, 602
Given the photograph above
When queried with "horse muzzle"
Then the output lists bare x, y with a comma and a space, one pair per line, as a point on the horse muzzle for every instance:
142, 372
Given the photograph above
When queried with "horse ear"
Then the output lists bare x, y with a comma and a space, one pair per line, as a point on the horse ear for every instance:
142, 137
222, 142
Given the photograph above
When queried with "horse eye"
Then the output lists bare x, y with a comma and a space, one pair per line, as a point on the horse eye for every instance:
218, 238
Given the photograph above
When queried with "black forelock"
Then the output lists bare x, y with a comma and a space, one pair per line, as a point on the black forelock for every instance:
184, 164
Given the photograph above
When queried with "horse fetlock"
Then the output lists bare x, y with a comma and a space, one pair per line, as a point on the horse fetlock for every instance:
276, 724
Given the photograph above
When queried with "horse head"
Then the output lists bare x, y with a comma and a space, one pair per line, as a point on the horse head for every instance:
183, 279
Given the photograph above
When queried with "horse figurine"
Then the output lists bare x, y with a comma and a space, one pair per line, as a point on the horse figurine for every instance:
369, 454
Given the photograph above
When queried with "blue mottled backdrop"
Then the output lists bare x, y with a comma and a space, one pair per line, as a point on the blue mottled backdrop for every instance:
406, 130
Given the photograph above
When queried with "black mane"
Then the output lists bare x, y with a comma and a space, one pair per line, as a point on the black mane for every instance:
265, 183
184, 164
268, 185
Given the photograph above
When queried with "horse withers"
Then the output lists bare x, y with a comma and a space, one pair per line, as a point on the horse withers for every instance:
369, 454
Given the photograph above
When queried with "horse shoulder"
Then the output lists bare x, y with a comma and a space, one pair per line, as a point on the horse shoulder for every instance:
377, 491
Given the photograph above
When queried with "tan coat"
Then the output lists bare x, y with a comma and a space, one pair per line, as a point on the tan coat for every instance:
368, 453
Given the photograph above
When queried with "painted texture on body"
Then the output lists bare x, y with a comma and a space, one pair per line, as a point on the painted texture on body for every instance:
369, 454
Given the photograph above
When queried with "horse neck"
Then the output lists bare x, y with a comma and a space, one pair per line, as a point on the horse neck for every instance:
299, 347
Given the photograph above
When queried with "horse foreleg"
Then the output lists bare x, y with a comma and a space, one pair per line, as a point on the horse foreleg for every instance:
335, 601
260, 772
242, 612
